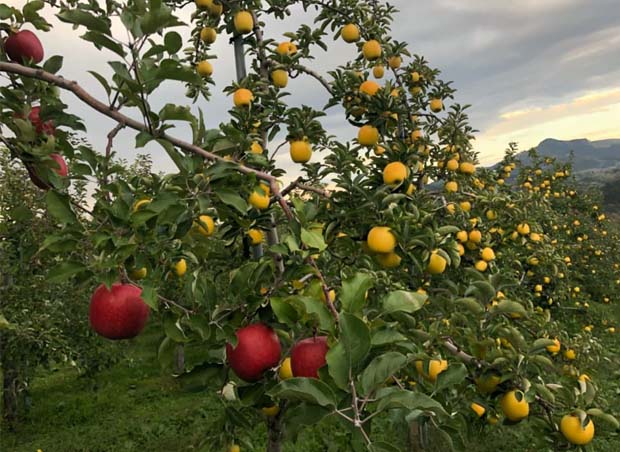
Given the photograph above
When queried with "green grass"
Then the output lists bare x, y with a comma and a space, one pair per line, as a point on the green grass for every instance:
132, 406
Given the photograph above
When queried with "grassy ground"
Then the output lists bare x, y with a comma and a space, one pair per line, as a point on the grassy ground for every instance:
132, 407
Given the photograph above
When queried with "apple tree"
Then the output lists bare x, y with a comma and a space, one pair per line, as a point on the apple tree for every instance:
393, 278
37, 328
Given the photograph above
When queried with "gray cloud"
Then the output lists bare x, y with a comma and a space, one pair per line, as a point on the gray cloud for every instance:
501, 55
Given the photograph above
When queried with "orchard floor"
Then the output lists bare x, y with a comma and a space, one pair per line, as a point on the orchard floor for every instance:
132, 407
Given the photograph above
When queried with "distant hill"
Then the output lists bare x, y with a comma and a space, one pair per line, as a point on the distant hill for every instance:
587, 155
595, 163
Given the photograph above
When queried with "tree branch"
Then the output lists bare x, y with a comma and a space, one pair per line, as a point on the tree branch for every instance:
316, 75
84, 96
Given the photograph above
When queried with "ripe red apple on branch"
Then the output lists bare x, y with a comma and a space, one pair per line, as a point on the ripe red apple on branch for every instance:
258, 349
60, 168
308, 356
23, 47
119, 313
46, 127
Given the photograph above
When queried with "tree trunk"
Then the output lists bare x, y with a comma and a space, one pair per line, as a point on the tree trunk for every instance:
274, 433
10, 396
179, 359
415, 437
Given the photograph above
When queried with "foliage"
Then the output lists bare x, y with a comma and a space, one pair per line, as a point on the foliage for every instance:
459, 292
42, 322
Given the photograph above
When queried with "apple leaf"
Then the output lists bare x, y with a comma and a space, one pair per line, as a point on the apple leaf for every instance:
404, 301
337, 365
608, 418
100, 40
53, 64
232, 199
173, 42
284, 311
387, 336
59, 207
453, 376
380, 369
313, 239
301, 415
394, 397
81, 17
64, 271
354, 288
305, 390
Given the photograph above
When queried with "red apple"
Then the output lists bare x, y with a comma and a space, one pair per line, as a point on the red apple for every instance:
258, 349
62, 170
119, 313
24, 46
308, 356
46, 127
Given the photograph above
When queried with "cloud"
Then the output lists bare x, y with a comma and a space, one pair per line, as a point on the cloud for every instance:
593, 115
520, 64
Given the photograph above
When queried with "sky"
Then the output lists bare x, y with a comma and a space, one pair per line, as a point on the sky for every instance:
531, 70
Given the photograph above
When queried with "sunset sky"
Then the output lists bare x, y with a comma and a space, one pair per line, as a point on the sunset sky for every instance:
532, 70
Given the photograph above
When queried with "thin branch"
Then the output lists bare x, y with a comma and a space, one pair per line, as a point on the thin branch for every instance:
456, 351
328, 301
297, 183
101, 107
316, 75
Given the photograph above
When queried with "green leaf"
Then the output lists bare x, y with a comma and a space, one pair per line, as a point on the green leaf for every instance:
58, 244
230, 198
53, 64
354, 288
401, 398
172, 112
5, 11
352, 347
301, 415
451, 377
101, 40
30, 9
173, 329
173, 42
59, 207
471, 304
355, 337
509, 307
380, 369
308, 390
313, 239
173, 70
540, 345
387, 336
64, 271
101, 79
81, 17
178, 158
598, 413
445, 230
483, 289
317, 309
284, 311
337, 366
149, 295
142, 138
404, 301
165, 353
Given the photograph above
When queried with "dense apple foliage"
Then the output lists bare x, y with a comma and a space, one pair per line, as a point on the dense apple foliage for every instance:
401, 279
